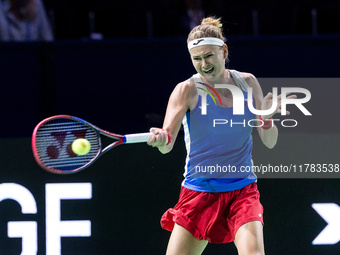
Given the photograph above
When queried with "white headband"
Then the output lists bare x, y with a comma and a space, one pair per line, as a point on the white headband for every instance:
205, 41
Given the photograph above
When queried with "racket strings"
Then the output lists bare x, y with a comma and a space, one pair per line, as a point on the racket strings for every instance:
54, 144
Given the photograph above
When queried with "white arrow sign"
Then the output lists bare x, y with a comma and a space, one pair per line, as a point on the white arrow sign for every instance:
330, 212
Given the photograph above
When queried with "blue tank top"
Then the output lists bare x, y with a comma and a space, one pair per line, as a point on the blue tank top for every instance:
219, 144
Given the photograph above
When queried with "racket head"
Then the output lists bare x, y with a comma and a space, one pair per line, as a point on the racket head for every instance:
52, 144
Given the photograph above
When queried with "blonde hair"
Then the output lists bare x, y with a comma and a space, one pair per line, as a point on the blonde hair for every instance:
210, 27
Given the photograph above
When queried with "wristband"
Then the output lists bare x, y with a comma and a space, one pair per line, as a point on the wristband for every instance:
267, 124
169, 137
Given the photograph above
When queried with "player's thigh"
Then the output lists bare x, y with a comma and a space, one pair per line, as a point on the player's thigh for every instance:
182, 242
249, 239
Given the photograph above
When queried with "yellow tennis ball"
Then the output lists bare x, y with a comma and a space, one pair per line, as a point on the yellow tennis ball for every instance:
81, 146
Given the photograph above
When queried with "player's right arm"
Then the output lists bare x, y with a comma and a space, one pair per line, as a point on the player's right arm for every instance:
180, 101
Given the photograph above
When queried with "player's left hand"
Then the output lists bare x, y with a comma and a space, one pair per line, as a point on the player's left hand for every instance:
267, 102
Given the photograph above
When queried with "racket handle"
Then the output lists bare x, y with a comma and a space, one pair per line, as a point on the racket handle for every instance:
137, 138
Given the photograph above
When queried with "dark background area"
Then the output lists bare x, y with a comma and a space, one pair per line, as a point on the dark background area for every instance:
122, 84
168, 18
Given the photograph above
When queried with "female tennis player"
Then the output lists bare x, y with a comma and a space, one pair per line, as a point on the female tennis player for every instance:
219, 200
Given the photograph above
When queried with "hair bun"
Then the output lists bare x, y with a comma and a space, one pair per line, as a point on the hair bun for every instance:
212, 21
209, 27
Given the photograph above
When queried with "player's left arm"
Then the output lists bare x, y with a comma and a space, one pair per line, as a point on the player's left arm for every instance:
268, 136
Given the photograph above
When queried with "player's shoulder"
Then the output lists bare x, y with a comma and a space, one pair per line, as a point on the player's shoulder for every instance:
250, 79
185, 90
185, 86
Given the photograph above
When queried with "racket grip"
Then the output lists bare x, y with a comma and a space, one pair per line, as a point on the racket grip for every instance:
137, 138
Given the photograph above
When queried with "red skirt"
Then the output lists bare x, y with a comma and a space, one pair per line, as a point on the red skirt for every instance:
214, 217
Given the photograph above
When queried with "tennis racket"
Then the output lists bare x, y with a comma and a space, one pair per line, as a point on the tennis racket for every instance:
53, 137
